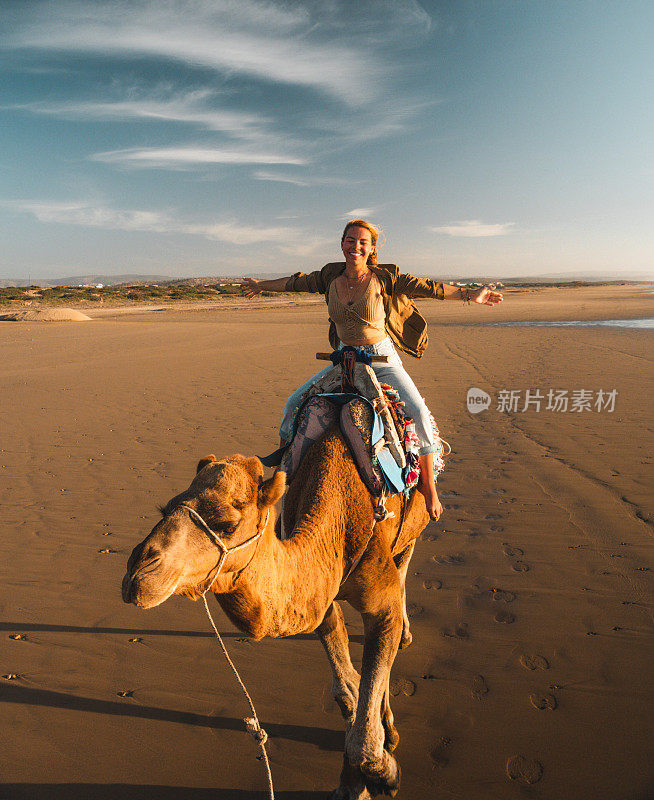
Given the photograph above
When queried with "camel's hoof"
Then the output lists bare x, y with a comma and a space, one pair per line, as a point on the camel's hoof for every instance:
350, 793
406, 640
383, 776
352, 785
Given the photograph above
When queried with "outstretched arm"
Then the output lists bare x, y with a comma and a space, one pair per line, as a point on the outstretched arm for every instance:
486, 296
299, 282
426, 287
251, 286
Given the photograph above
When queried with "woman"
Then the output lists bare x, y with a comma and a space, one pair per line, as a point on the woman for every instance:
370, 308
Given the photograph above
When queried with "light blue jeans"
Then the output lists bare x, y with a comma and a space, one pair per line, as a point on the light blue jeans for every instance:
392, 373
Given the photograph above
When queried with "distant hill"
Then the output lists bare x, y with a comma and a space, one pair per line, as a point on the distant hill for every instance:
76, 280
115, 280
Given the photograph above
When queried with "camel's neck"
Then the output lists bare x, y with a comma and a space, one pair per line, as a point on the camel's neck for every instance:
288, 585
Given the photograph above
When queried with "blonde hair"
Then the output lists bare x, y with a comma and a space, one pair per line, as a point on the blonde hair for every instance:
374, 235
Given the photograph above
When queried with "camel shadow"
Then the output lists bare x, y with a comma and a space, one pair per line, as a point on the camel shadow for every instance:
110, 791
323, 738
23, 627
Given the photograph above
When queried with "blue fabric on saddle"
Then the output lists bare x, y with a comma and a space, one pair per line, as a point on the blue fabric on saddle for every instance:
366, 423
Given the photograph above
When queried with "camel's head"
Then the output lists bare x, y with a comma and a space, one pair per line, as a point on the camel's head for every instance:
179, 556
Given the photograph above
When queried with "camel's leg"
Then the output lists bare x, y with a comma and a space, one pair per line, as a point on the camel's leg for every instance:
345, 687
392, 737
402, 564
380, 604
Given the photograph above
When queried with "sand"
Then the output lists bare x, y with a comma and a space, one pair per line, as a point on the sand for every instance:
45, 315
530, 600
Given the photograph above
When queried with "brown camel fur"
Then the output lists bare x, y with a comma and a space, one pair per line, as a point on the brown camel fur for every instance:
281, 588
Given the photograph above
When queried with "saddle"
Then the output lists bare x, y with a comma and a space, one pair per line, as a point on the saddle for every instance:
371, 416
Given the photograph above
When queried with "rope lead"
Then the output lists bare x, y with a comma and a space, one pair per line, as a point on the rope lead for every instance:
251, 723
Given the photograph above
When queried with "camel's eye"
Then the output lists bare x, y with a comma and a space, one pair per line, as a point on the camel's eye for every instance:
229, 527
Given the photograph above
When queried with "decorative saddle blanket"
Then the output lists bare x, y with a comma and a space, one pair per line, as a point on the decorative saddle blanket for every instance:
372, 419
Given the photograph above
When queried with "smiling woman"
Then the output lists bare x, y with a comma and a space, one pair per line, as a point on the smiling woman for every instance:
370, 308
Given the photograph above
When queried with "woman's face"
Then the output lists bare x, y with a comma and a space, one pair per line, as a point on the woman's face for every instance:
357, 245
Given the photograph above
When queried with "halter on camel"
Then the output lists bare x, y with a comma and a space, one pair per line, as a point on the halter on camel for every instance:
224, 550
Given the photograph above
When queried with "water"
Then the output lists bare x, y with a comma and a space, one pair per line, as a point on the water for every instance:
646, 322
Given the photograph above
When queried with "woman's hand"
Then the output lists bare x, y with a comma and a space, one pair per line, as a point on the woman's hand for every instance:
486, 296
250, 287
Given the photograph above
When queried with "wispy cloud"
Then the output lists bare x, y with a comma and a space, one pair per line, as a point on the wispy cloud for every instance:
190, 156
190, 108
474, 228
359, 213
309, 180
94, 216
278, 177
254, 38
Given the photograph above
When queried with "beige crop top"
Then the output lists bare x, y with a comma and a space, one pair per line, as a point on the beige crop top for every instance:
363, 321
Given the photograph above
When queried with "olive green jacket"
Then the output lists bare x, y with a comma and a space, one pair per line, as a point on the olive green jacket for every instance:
404, 323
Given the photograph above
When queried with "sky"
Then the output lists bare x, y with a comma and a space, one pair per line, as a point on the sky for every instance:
234, 137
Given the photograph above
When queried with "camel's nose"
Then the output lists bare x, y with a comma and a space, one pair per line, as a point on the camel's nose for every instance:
128, 580
126, 588
145, 558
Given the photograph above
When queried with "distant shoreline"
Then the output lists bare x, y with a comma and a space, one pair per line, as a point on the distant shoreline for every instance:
543, 302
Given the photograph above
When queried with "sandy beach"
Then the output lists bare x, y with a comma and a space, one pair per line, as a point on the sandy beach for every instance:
531, 599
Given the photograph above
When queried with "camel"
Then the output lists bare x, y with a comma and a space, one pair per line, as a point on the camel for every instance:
334, 551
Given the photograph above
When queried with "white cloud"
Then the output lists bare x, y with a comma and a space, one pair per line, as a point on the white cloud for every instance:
310, 180
474, 228
189, 156
235, 233
190, 108
249, 37
90, 216
359, 213
310, 245
264, 175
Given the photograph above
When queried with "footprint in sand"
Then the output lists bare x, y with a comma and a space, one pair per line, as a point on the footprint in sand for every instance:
493, 516
401, 685
432, 583
520, 566
458, 631
439, 752
429, 537
127, 693
496, 528
18, 637
452, 560
534, 661
135, 640
543, 701
505, 617
511, 551
502, 596
479, 688
523, 769
414, 610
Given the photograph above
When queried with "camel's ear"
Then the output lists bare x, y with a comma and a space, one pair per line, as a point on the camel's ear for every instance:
202, 463
271, 490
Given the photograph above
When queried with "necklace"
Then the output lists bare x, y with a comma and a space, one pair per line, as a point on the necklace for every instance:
358, 282
354, 285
